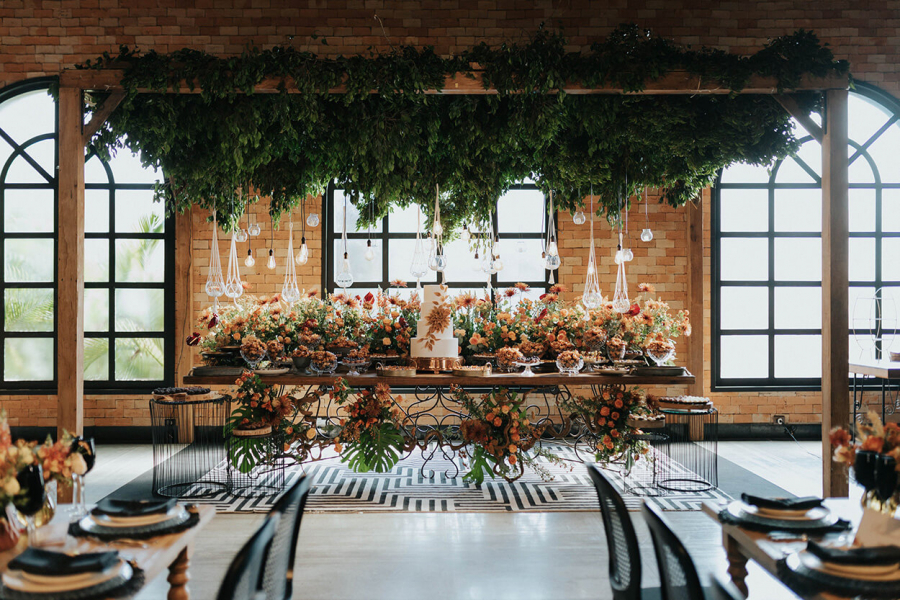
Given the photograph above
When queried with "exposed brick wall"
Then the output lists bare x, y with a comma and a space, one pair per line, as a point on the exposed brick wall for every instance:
42, 37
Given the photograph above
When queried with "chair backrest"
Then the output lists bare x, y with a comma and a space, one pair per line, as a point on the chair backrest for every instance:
677, 574
278, 574
624, 553
244, 576
723, 589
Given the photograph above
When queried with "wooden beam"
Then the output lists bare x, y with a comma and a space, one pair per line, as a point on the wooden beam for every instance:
695, 293
99, 117
790, 105
184, 286
470, 82
835, 287
70, 265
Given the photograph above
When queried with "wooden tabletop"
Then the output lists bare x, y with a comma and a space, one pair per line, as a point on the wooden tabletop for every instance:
153, 556
446, 379
757, 546
882, 369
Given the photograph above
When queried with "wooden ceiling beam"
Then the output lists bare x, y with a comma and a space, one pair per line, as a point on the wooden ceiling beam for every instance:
99, 117
471, 83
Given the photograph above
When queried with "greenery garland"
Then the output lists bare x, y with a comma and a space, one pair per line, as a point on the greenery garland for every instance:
394, 146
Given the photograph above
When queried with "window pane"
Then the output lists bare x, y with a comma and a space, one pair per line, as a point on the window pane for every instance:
29, 260
140, 310
352, 215
136, 212
798, 356
139, 359
890, 266
798, 259
860, 171
27, 115
94, 172
96, 359
790, 171
400, 258
798, 308
862, 210
96, 260
127, 168
520, 211
28, 211
744, 259
28, 309
863, 310
798, 210
461, 263
363, 270
744, 210
811, 153
890, 210
140, 261
403, 220
28, 359
96, 310
744, 307
744, 356
865, 117
743, 173
884, 152
96, 211
22, 171
521, 266
862, 259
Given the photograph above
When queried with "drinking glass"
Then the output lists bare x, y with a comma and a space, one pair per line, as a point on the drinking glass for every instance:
31, 499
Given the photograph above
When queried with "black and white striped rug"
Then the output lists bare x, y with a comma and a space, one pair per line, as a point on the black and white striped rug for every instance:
439, 487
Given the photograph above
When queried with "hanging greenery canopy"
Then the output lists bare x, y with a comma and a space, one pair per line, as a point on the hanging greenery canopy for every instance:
392, 147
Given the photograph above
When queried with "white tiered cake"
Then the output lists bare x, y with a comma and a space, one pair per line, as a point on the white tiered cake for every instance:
434, 334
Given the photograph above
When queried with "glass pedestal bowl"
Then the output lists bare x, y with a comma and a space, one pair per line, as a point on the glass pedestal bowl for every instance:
323, 368
660, 351
568, 368
252, 360
528, 362
357, 366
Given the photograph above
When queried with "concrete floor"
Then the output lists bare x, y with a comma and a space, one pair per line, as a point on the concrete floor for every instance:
466, 556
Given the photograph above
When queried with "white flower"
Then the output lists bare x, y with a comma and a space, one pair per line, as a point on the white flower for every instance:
11, 486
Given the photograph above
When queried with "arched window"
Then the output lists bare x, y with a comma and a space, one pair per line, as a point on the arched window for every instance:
767, 250
129, 258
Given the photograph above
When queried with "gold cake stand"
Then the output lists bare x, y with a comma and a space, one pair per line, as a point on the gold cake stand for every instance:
436, 364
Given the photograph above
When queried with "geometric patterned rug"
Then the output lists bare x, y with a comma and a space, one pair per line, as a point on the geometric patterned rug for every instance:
336, 489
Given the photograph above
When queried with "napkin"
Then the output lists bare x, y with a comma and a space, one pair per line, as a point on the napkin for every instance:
133, 508
43, 562
876, 555
805, 503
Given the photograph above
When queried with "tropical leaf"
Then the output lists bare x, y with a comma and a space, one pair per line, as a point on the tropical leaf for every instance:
378, 449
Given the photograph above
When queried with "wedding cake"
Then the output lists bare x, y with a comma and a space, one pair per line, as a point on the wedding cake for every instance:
434, 335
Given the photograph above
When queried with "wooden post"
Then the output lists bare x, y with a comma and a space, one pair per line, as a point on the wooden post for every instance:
184, 291
695, 294
70, 293
835, 286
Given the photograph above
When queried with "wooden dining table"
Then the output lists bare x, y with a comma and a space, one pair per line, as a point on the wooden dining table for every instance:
153, 556
743, 545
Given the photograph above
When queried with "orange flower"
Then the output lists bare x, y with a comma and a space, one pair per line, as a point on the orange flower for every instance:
873, 444
512, 460
839, 437
604, 411
497, 422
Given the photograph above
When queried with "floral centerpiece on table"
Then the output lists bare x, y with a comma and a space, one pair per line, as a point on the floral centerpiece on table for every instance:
501, 434
875, 458
606, 416
371, 436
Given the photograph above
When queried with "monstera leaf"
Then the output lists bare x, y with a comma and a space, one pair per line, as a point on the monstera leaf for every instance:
377, 449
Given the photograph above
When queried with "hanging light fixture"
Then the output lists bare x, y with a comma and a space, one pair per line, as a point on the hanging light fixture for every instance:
313, 218
419, 267
591, 296
620, 301
627, 254
252, 228
215, 283
551, 254
497, 264
249, 261
370, 252
465, 235
344, 278
270, 264
646, 234
437, 261
290, 293
303, 253
233, 286
578, 218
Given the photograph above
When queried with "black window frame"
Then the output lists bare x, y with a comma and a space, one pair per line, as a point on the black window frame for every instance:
772, 383
384, 237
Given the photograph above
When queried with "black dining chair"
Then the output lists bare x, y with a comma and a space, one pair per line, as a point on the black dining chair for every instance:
624, 552
723, 589
244, 576
278, 574
677, 573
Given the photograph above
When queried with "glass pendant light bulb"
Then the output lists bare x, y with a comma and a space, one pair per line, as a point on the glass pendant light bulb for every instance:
476, 266
646, 235
254, 229
240, 235
465, 235
579, 218
303, 254
618, 258
553, 249
249, 261
312, 220
370, 253
271, 262
345, 277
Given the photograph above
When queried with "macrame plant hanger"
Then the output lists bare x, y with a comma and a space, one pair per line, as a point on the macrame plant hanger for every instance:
591, 295
234, 288
215, 283
620, 302
290, 293
419, 266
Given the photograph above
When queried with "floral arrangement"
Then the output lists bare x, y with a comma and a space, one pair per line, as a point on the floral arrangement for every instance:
384, 323
371, 436
502, 435
253, 348
875, 456
606, 417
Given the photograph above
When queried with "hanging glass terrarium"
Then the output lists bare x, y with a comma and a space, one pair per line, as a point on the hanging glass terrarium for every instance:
290, 293
591, 296
551, 257
419, 267
437, 260
234, 288
215, 283
344, 278
303, 254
